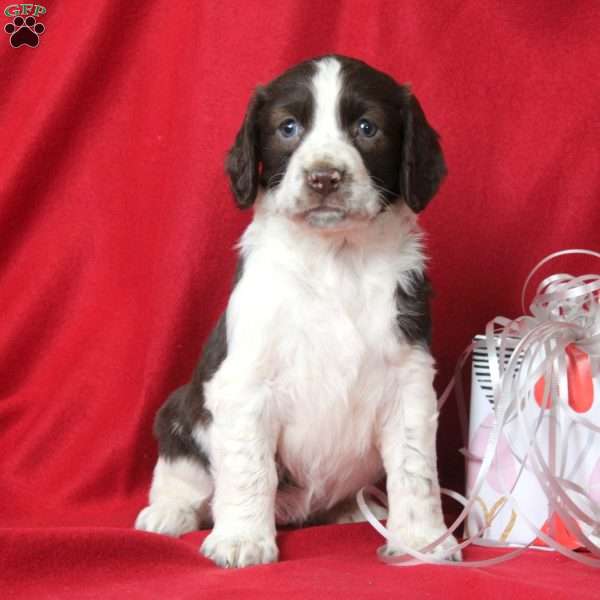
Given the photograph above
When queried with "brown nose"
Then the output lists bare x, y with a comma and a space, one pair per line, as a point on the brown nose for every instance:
324, 180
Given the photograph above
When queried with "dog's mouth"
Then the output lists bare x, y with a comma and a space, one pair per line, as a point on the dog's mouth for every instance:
325, 217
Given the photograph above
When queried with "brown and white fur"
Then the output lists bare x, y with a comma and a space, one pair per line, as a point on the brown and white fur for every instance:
317, 380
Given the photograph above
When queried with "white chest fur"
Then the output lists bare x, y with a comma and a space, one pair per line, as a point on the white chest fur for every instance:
314, 320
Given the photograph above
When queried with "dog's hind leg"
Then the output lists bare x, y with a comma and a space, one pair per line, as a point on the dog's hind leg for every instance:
179, 497
182, 485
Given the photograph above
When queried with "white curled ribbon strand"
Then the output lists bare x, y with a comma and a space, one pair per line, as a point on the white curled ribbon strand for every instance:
564, 310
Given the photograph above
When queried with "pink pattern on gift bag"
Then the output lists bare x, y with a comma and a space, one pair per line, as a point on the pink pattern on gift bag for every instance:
581, 397
503, 470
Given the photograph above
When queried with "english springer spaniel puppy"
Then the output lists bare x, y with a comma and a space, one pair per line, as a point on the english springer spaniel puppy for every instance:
317, 380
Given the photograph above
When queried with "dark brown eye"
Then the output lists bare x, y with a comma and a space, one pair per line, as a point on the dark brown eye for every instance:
366, 128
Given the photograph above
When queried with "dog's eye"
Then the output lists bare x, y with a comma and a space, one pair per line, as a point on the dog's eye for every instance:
366, 128
289, 128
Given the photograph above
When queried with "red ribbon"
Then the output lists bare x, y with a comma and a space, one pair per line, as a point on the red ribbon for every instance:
579, 378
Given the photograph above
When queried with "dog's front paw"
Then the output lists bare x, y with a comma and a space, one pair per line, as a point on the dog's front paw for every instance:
419, 539
242, 550
167, 518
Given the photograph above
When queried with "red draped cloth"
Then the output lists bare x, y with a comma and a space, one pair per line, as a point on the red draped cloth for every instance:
116, 237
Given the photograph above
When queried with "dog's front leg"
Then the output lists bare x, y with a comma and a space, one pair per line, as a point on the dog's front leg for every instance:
408, 448
242, 440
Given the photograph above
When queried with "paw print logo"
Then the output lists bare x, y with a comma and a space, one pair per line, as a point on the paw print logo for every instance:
24, 32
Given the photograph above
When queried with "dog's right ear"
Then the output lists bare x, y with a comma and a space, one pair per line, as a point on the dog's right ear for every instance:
243, 160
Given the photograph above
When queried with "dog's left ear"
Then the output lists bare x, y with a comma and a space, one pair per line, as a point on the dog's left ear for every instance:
423, 167
242, 164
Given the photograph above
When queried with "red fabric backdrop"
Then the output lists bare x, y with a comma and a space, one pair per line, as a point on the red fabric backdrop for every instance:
116, 236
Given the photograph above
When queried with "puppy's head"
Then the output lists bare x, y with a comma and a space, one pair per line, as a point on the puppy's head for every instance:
331, 143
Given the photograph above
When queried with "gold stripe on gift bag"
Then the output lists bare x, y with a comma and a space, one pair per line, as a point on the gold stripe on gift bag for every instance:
491, 514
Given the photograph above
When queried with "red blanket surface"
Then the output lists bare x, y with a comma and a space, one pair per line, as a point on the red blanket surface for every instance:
116, 237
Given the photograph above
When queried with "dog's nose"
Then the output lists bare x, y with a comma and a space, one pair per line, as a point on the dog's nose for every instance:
324, 180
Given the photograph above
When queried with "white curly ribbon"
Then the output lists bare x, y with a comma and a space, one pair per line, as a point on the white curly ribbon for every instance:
565, 310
